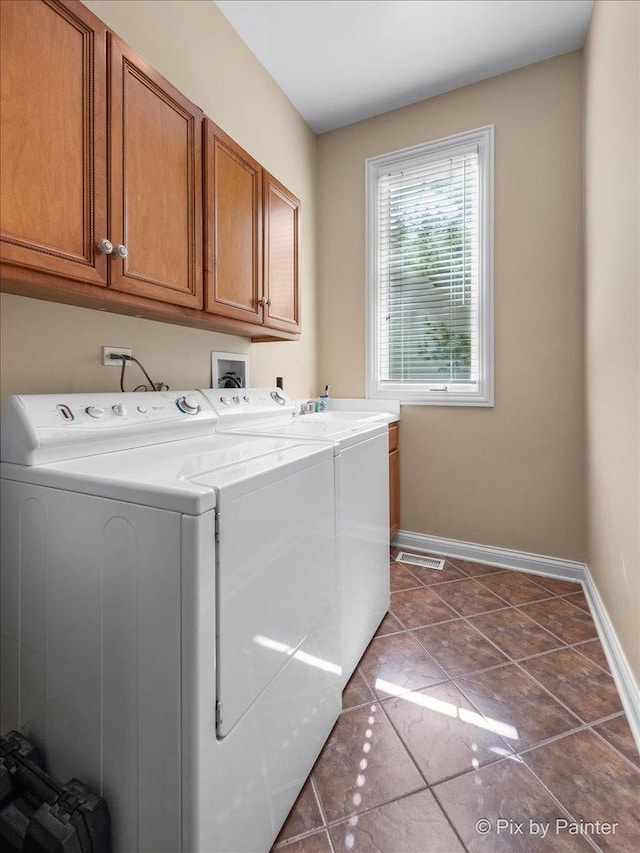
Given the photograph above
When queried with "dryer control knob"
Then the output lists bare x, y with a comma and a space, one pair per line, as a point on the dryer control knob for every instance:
247, 398
277, 397
120, 410
95, 411
188, 405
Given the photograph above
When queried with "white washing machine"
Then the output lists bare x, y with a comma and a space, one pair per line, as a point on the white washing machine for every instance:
169, 612
360, 446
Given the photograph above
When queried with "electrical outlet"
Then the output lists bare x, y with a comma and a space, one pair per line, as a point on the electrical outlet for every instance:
107, 361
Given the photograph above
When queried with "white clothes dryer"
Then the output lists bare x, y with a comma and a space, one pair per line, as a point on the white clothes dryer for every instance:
169, 612
360, 447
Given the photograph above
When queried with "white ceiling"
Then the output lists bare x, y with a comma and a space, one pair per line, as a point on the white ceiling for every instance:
340, 61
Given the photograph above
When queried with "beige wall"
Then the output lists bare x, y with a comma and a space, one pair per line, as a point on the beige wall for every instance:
612, 273
57, 348
513, 475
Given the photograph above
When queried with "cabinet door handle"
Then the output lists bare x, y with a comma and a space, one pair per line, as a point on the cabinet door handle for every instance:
121, 251
105, 246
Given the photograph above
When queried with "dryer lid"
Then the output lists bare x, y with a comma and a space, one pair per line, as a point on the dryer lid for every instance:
182, 476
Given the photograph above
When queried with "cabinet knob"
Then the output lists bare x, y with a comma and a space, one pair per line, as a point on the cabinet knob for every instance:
262, 301
105, 246
121, 251
268, 303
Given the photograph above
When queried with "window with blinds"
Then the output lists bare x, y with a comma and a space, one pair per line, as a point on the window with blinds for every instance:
429, 272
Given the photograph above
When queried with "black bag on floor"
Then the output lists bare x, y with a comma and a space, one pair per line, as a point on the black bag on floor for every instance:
38, 815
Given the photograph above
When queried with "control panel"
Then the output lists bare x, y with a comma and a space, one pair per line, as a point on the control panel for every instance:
162, 405
239, 406
44, 427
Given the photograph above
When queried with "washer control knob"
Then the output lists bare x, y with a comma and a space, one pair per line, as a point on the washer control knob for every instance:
95, 411
226, 401
236, 399
142, 410
247, 398
120, 410
188, 405
278, 398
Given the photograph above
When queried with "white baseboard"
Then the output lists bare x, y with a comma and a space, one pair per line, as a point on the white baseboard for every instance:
628, 688
552, 567
504, 557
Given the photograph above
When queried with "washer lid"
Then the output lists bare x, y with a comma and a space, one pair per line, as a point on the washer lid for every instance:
269, 411
306, 428
182, 476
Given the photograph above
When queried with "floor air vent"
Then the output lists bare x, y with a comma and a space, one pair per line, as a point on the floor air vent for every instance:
419, 560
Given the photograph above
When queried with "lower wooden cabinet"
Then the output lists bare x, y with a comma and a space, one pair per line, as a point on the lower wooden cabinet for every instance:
394, 479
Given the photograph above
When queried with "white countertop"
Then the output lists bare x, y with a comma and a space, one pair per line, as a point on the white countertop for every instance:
390, 408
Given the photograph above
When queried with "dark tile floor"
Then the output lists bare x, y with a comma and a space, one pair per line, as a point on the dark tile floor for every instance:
484, 696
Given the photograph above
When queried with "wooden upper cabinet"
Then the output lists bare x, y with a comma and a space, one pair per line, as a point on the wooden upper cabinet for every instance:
53, 207
155, 183
233, 228
281, 256
99, 151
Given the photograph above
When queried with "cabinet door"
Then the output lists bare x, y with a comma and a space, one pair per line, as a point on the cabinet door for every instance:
281, 261
53, 124
394, 492
155, 183
233, 228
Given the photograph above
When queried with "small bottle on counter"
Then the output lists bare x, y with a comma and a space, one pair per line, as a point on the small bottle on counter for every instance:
321, 405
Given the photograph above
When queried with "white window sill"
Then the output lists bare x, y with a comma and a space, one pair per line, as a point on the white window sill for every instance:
435, 398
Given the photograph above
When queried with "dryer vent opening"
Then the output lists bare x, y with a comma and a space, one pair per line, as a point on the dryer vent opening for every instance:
419, 560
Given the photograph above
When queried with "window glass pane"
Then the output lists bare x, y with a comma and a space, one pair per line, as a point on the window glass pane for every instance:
428, 273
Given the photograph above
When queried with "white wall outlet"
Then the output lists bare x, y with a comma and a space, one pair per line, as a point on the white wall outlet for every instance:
107, 361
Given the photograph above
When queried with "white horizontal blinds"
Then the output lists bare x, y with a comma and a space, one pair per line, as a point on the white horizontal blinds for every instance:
428, 272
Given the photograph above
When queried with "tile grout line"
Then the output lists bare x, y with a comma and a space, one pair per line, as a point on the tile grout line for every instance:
323, 814
530, 576
584, 725
563, 645
331, 824
431, 785
592, 728
467, 619
382, 703
484, 588
553, 696
582, 654
509, 659
520, 606
309, 832
546, 597
518, 572
550, 793
449, 820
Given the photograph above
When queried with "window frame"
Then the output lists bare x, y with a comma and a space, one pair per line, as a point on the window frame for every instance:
420, 395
